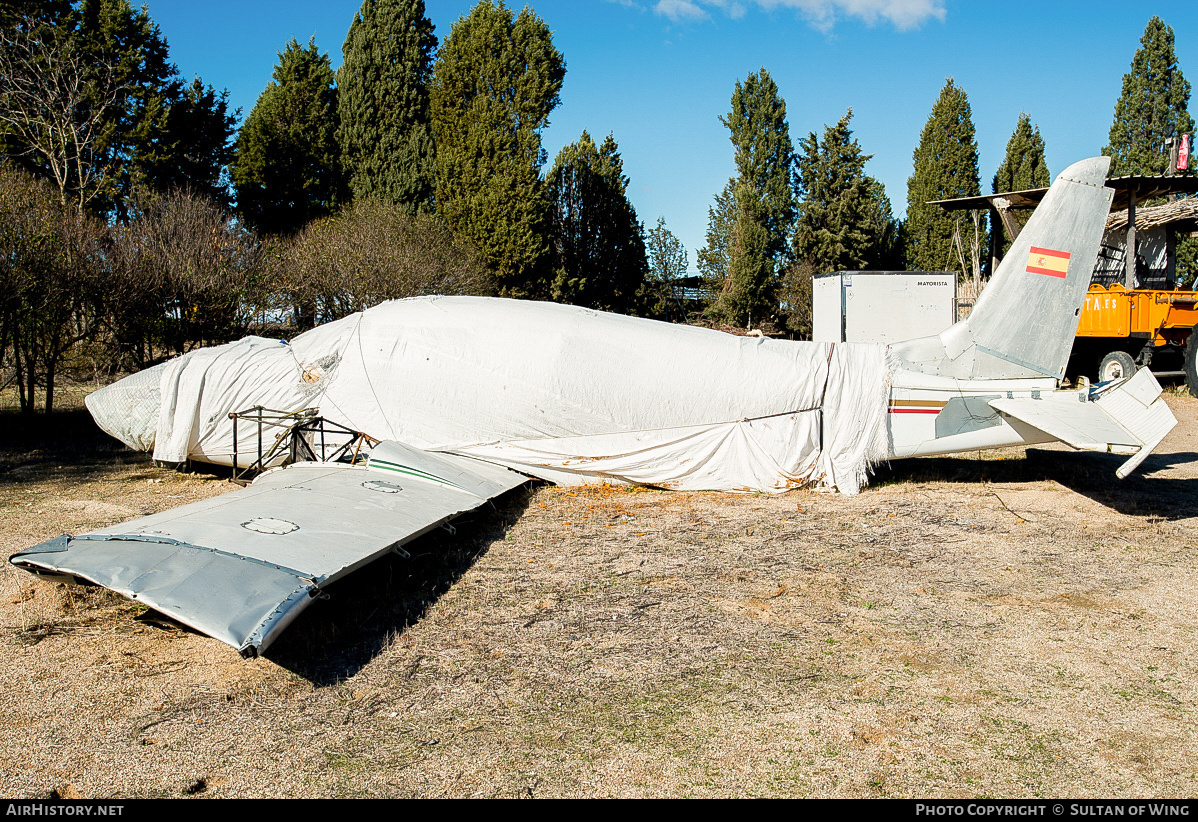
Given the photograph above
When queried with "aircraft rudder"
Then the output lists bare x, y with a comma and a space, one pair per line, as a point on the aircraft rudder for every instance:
1024, 321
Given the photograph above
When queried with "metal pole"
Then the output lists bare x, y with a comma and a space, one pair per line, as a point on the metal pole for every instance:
1129, 246
995, 241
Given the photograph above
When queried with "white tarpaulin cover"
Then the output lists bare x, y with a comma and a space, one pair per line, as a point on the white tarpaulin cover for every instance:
559, 392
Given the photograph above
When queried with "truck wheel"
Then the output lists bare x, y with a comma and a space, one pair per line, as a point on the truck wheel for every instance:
1191, 364
1117, 365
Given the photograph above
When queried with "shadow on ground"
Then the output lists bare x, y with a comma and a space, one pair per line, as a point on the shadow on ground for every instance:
68, 444
66, 440
1086, 473
333, 639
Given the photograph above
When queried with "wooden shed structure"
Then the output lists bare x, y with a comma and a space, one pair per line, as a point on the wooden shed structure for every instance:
1151, 230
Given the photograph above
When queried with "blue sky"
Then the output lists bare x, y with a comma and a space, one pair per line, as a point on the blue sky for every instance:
659, 73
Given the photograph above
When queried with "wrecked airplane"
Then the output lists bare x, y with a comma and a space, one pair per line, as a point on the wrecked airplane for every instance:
452, 401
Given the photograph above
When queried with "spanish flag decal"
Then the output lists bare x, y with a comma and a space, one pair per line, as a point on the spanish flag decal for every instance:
1047, 261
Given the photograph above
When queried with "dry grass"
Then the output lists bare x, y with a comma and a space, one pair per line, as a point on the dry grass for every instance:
964, 627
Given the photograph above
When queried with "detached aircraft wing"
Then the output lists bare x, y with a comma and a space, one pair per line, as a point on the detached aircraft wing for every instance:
240, 567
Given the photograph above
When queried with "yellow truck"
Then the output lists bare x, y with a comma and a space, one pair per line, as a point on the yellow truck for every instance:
1121, 328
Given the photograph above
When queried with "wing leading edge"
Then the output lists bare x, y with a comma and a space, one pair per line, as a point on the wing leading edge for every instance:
240, 567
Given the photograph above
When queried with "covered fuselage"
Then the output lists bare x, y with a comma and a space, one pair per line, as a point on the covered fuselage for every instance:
573, 395
559, 392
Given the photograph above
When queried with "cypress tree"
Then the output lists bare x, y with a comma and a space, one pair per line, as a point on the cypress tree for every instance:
751, 269
763, 196
385, 135
286, 169
885, 229
844, 223
1022, 168
713, 258
1024, 165
1154, 100
946, 166
496, 79
599, 242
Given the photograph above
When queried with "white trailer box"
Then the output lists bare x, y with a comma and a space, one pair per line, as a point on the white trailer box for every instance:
882, 306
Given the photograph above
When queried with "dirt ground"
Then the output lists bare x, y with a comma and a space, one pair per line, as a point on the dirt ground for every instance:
994, 625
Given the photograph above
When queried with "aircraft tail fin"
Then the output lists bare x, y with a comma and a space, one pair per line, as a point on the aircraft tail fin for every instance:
1024, 321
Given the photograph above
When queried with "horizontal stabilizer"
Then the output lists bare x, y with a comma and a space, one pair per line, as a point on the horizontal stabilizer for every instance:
1085, 426
1127, 418
240, 567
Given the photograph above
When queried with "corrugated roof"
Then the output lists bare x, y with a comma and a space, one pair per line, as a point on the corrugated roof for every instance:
1147, 187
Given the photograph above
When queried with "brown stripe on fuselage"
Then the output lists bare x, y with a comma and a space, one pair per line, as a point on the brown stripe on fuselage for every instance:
916, 406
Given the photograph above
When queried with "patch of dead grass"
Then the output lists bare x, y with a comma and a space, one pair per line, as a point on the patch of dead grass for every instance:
969, 627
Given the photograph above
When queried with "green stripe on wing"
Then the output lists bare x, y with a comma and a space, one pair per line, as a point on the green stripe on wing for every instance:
387, 465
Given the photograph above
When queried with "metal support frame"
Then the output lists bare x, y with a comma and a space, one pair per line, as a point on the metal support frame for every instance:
304, 434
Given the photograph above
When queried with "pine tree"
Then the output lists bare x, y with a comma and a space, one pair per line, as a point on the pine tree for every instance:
844, 221
127, 45
1023, 167
668, 263
763, 196
946, 166
667, 255
385, 134
496, 79
83, 89
192, 144
286, 169
1153, 102
600, 244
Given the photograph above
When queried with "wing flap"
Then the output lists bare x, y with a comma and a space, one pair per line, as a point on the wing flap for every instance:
240, 567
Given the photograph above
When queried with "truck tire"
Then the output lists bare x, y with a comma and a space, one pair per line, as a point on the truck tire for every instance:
1117, 365
1191, 364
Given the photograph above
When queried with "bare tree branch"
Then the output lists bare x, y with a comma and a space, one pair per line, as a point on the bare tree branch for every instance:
56, 109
